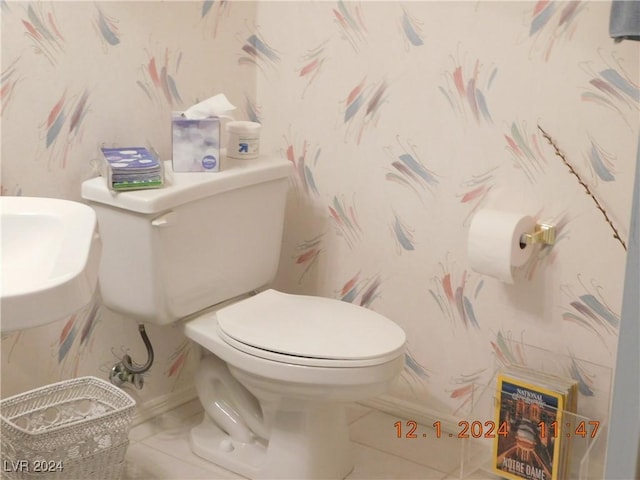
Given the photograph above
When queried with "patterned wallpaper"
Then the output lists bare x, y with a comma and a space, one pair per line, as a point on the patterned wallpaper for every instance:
79, 74
402, 119
405, 118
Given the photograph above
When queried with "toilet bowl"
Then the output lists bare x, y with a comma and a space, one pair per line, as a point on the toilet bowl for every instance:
278, 369
274, 387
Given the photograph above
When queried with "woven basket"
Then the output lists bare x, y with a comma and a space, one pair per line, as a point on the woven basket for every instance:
75, 429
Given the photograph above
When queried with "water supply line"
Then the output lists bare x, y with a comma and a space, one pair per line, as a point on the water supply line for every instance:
125, 371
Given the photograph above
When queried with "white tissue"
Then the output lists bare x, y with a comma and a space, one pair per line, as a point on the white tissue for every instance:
494, 243
216, 106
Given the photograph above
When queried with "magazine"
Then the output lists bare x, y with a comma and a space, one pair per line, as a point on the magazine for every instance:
530, 406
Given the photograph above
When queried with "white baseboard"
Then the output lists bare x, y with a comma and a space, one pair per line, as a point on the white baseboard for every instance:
385, 403
162, 404
424, 415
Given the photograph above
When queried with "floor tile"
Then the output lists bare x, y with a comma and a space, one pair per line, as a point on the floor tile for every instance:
379, 430
145, 463
478, 475
371, 464
161, 449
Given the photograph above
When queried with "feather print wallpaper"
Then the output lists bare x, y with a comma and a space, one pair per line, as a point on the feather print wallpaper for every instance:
401, 120
75, 76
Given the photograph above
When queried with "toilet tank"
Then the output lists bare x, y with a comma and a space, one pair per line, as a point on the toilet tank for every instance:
201, 239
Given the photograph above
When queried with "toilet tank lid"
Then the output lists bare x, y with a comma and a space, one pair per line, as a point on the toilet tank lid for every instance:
183, 187
313, 327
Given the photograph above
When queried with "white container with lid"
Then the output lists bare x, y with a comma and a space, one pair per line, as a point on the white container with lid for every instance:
243, 139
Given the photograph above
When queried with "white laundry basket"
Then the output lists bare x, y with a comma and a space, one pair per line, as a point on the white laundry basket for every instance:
75, 429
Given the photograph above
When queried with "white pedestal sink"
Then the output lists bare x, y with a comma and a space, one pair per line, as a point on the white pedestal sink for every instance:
50, 256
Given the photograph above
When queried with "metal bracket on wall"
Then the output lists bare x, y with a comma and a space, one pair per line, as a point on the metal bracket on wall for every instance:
543, 233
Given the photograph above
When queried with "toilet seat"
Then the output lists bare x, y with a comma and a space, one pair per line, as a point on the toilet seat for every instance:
297, 360
309, 331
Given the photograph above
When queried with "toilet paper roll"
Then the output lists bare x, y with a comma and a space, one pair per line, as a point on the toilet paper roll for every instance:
494, 243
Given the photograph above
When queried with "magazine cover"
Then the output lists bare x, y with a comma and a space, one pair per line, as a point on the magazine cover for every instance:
527, 447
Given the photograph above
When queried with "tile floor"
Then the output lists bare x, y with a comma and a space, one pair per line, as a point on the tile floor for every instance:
159, 449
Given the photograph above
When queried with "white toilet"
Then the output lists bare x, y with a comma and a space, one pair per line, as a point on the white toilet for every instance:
279, 367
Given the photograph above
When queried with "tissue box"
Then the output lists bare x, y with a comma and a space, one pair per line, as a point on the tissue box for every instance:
196, 144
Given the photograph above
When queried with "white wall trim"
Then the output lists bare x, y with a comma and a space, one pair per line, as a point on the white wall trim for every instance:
162, 404
422, 414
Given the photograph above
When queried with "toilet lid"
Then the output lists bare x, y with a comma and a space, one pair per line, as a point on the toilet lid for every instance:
311, 327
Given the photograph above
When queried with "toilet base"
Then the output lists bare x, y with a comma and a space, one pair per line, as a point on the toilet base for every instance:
308, 444
211, 443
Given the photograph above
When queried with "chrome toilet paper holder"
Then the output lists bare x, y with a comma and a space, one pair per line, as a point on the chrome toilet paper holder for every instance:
543, 233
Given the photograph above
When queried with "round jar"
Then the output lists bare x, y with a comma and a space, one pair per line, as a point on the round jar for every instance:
243, 139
